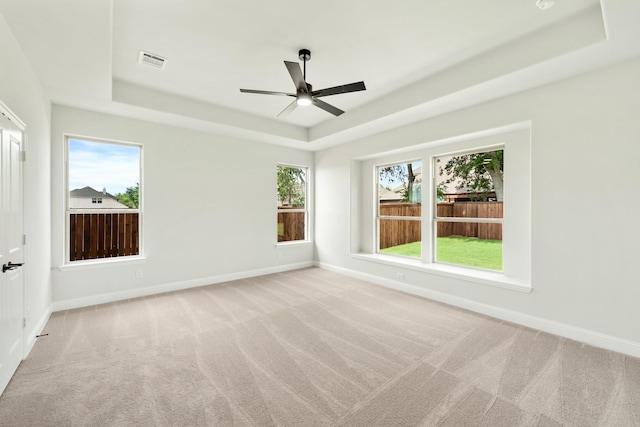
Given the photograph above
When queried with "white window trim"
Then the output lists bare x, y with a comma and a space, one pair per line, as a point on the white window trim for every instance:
435, 219
68, 264
516, 274
469, 274
307, 208
391, 217
100, 262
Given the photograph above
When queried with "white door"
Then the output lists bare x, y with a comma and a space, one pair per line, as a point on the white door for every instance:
11, 250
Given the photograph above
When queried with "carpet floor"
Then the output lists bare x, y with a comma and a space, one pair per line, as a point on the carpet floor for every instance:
310, 348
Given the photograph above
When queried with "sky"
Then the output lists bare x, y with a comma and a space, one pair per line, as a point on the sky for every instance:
103, 165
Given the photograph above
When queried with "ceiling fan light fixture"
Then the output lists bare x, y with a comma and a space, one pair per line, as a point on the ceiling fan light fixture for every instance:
303, 99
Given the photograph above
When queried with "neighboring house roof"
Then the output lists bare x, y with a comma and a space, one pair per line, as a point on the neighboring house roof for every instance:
388, 195
90, 192
89, 198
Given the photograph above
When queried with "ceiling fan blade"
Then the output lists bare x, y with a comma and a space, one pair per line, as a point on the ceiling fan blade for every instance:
289, 108
296, 76
266, 92
327, 107
351, 87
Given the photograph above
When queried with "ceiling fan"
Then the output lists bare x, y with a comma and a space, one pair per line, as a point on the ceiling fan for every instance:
305, 95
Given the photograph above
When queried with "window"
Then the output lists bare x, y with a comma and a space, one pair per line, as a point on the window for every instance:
468, 209
400, 209
292, 203
476, 224
103, 199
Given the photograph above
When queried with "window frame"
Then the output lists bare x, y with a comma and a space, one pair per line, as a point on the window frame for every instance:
380, 217
68, 210
435, 219
515, 139
304, 210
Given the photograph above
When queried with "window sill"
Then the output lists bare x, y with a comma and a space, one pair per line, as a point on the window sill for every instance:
294, 243
102, 262
468, 274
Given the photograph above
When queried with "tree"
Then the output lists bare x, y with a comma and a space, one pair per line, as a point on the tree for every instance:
291, 185
403, 173
131, 197
478, 172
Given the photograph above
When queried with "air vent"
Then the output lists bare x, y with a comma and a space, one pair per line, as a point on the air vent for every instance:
151, 60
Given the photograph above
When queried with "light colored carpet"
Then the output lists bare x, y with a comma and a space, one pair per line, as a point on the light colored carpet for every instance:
311, 348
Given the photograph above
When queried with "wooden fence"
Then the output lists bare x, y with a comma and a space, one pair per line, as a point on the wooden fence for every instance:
103, 235
399, 232
470, 210
291, 226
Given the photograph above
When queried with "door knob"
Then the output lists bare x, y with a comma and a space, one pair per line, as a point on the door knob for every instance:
11, 266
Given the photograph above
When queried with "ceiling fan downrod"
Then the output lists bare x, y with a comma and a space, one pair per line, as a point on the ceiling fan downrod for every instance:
304, 55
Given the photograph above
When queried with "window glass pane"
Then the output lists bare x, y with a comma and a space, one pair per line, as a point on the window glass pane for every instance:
104, 200
400, 237
473, 177
400, 195
103, 175
470, 244
292, 203
292, 187
291, 226
470, 186
400, 189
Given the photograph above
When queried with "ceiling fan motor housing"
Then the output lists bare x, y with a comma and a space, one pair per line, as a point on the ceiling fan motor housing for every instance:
304, 54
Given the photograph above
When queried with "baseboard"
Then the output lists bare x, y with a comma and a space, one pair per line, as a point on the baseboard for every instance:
173, 286
30, 339
586, 336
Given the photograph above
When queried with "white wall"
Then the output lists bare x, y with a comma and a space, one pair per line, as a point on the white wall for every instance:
20, 90
209, 206
585, 201
210, 211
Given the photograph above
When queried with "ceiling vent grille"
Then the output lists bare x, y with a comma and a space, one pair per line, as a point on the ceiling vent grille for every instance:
151, 60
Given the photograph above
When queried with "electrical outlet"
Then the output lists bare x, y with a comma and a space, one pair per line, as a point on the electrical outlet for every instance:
400, 276
138, 273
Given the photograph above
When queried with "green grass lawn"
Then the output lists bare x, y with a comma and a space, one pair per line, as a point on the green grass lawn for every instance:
458, 250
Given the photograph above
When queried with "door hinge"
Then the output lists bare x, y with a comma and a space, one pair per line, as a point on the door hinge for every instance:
24, 322
24, 239
23, 156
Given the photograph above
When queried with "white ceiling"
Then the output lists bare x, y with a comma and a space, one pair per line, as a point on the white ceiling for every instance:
418, 58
